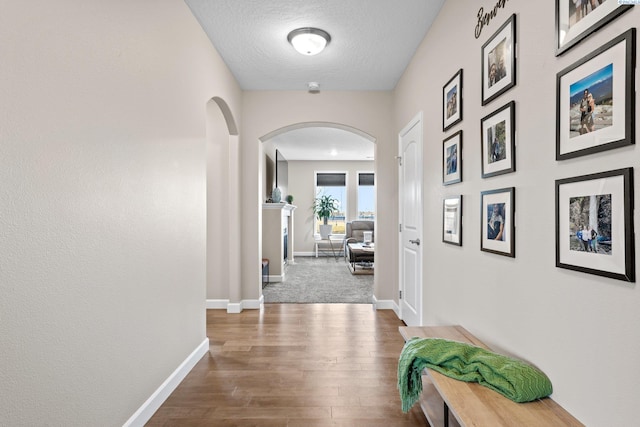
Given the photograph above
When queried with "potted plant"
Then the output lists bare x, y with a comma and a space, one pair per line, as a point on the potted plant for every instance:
324, 207
289, 199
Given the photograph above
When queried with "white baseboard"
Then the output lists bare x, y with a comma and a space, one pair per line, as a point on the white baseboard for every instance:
386, 305
253, 304
339, 254
303, 254
217, 304
148, 408
236, 307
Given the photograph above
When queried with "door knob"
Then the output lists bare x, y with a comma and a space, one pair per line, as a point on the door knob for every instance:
415, 242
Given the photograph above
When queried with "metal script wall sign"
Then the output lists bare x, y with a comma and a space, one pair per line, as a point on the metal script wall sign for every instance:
485, 17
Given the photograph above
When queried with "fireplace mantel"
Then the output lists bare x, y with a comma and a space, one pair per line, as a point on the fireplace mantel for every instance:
277, 238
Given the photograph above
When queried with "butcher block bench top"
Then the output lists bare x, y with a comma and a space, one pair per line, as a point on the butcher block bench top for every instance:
472, 404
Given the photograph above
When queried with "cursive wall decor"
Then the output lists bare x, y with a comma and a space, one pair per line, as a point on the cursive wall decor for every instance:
485, 18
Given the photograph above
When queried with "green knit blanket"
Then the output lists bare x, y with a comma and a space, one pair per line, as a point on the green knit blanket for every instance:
512, 378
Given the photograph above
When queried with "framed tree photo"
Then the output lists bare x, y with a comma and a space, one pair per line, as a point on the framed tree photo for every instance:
577, 19
497, 136
452, 159
452, 101
499, 62
497, 221
595, 100
452, 220
594, 224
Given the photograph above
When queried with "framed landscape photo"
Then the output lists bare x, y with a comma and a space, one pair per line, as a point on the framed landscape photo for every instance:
497, 136
595, 100
452, 101
452, 159
577, 19
499, 61
497, 221
452, 220
594, 224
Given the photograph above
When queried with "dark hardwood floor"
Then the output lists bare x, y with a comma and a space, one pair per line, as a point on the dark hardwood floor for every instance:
297, 365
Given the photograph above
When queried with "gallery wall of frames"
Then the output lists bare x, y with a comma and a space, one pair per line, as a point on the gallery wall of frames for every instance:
595, 112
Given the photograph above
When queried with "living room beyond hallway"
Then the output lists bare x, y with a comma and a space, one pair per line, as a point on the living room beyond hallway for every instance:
320, 280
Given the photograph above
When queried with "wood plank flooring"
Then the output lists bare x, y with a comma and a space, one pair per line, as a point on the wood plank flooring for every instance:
295, 365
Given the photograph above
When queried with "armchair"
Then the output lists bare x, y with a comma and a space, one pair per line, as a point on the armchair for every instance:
355, 233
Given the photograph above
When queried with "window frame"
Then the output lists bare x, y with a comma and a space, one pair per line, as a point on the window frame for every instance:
358, 173
345, 208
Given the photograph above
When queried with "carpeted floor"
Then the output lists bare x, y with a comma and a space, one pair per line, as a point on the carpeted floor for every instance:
320, 280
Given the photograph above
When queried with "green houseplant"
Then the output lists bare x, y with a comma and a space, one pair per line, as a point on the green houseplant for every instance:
324, 207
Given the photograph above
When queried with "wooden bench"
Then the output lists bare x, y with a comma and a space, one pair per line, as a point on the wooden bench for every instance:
446, 401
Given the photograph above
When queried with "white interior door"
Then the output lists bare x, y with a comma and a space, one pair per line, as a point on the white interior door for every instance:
410, 201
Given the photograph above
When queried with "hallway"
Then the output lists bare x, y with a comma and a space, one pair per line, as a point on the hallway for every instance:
295, 365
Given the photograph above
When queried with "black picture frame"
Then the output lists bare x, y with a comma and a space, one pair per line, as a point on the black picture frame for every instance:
452, 220
602, 202
497, 215
452, 101
452, 159
498, 69
573, 25
608, 75
498, 141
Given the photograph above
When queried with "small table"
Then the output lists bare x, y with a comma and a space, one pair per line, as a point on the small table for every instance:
337, 239
362, 255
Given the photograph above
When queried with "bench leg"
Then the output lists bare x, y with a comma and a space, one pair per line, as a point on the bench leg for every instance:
446, 415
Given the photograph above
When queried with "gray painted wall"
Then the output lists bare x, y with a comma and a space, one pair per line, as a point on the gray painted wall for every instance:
582, 330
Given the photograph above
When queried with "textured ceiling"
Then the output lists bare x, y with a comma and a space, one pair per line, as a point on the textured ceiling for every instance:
372, 41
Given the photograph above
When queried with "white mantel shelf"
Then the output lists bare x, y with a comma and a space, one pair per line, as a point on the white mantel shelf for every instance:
282, 205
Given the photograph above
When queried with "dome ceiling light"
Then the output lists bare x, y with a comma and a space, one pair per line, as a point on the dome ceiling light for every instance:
309, 41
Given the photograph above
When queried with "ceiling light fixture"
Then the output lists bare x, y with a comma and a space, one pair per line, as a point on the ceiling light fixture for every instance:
309, 41
313, 87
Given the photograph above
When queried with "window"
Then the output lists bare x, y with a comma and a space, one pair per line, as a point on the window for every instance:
366, 196
333, 184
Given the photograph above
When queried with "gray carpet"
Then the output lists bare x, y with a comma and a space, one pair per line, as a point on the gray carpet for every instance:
320, 280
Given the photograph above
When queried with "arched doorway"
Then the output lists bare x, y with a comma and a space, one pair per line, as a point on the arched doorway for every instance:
223, 207
311, 148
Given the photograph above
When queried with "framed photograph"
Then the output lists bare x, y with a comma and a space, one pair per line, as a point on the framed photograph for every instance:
452, 220
452, 101
499, 62
594, 224
452, 159
497, 136
497, 221
595, 100
577, 19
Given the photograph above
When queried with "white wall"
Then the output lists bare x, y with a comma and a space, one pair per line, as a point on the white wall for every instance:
370, 112
582, 330
302, 187
102, 204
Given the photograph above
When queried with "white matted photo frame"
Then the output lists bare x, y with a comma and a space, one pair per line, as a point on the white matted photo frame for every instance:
497, 214
576, 20
594, 224
452, 220
499, 61
595, 100
452, 159
497, 136
452, 101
